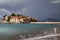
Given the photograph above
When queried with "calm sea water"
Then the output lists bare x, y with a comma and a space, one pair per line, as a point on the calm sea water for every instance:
17, 29
23, 28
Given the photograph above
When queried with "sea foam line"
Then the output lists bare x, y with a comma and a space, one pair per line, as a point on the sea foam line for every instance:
41, 37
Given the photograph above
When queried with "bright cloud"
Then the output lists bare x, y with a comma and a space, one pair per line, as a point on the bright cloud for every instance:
5, 10
12, 5
56, 1
13, 1
23, 10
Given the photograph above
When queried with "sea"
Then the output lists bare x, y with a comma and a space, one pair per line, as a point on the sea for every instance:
29, 31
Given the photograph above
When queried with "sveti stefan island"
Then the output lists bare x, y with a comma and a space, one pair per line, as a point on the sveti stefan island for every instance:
17, 18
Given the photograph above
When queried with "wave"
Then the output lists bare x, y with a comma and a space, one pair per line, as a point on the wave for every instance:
42, 37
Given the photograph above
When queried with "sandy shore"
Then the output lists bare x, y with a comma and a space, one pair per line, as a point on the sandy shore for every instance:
45, 22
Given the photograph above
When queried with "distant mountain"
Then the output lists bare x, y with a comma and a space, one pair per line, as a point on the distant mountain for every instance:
50, 20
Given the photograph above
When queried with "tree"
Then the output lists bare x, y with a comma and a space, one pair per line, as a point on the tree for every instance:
19, 15
13, 14
33, 20
4, 16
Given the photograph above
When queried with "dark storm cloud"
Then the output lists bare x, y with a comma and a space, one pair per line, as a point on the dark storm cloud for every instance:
40, 9
43, 9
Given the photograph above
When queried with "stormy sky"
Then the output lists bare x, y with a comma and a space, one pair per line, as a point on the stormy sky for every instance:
40, 9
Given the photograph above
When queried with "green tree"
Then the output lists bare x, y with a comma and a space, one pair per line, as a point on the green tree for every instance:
13, 14
19, 15
33, 20
4, 15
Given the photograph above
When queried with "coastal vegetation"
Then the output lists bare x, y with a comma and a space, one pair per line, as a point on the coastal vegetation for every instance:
17, 18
